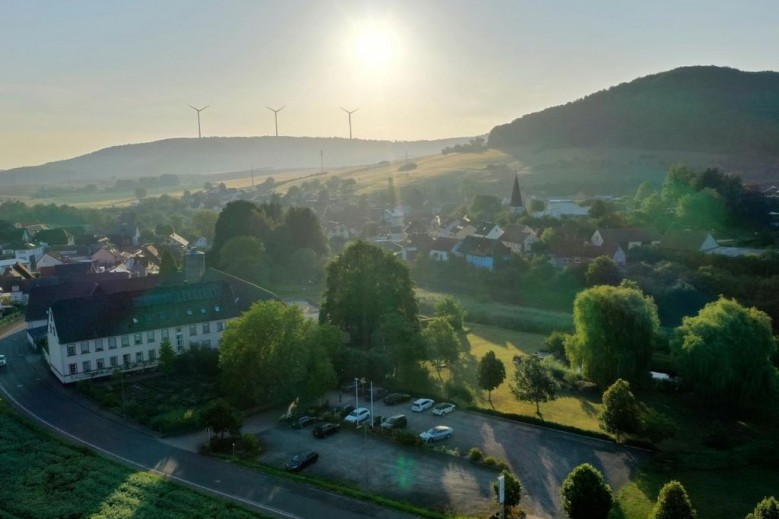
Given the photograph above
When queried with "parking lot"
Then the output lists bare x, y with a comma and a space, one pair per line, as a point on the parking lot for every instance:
542, 458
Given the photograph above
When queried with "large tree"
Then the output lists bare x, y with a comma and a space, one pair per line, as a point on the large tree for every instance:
492, 373
768, 508
603, 271
301, 230
451, 309
725, 351
220, 416
364, 284
442, 343
273, 354
585, 494
620, 413
534, 382
241, 218
673, 503
512, 489
615, 332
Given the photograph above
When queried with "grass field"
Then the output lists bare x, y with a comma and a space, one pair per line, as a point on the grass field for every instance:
45, 478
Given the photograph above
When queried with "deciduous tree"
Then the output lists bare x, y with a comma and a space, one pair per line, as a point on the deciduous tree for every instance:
168, 264
492, 373
673, 503
534, 382
221, 417
768, 508
442, 343
451, 309
620, 413
585, 494
167, 357
603, 271
512, 489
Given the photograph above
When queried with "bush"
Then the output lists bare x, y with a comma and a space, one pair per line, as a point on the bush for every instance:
459, 391
250, 444
475, 454
407, 438
176, 419
490, 461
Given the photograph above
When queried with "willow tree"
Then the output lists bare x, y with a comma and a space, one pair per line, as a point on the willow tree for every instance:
616, 329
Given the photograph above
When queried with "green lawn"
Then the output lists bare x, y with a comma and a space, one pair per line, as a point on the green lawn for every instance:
42, 477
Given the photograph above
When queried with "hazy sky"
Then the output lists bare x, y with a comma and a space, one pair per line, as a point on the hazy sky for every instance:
77, 76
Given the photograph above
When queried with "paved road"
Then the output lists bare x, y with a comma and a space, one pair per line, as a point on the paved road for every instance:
27, 385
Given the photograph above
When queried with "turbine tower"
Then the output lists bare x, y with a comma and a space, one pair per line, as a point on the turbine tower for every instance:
350, 119
198, 110
276, 116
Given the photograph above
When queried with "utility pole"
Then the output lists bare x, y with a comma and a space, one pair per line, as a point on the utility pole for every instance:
321, 161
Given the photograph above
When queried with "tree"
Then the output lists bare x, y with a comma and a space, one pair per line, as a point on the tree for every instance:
615, 332
534, 382
603, 271
301, 230
167, 357
140, 193
512, 489
492, 373
451, 309
673, 503
220, 416
239, 218
620, 410
272, 354
724, 353
585, 494
243, 256
485, 207
536, 205
442, 343
204, 223
168, 264
364, 283
768, 508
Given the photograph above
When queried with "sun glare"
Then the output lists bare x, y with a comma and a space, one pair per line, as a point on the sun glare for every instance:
375, 45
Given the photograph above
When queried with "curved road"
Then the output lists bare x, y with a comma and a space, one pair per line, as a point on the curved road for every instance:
27, 384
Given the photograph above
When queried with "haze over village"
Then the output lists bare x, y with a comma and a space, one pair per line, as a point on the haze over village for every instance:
367, 259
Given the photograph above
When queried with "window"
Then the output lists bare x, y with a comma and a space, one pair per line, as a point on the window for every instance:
220, 326
189, 311
71, 350
150, 336
87, 366
138, 338
206, 328
179, 339
139, 357
206, 343
126, 359
112, 343
125, 341
100, 363
85, 347
192, 330
98, 344
114, 361
164, 334
202, 309
217, 309
73, 368
152, 355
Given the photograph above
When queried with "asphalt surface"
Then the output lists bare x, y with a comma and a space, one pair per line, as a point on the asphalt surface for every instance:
26, 384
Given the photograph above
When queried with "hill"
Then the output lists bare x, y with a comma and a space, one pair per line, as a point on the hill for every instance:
220, 154
714, 116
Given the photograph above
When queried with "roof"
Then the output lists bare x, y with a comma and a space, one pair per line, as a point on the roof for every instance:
43, 297
516, 196
444, 244
577, 249
58, 236
179, 239
516, 233
684, 240
18, 270
478, 246
246, 293
629, 234
69, 270
106, 315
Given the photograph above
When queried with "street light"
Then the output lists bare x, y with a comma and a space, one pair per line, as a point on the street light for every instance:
233, 451
356, 393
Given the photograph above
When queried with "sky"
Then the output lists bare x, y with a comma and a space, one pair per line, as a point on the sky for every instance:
78, 76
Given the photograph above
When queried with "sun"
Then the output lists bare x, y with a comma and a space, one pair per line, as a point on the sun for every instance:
375, 45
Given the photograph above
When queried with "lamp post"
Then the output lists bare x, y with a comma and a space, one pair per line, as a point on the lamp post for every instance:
233, 451
356, 393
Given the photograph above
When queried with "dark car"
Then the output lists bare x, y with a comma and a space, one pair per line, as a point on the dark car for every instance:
302, 460
303, 421
326, 429
344, 411
397, 421
396, 398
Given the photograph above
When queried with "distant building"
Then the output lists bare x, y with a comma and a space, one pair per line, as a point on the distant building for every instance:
516, 204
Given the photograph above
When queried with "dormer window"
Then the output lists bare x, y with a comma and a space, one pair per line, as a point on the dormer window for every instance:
217, 309
189, 311
202, 309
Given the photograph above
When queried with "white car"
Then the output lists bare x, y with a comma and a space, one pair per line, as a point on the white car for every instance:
358, 416
439, 432
421, 404
2, 360
444, 408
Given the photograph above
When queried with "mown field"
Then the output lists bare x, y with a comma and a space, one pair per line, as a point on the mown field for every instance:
43, 478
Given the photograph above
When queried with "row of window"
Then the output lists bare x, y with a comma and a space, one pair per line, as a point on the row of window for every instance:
138, 338
86, 366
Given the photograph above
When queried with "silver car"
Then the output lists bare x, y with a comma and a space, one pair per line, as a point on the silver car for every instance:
439, 432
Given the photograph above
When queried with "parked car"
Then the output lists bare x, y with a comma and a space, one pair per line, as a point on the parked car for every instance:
358, 416
396, 398
439, 432
326, 429
443, 408
421, 404
2, 360
378, 393
302, 460
397, 421
343, 411
303, 421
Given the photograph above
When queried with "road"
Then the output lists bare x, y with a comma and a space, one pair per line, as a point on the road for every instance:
26, 385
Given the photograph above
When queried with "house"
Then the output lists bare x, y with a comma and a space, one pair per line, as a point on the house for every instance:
178, 242
68, 271
336, 230
40, 300
572, 253
627, 238
564, 207
107, 257
482, 252
94, 335
414, 245
488, 230
519, 238
54, 237
393, 217
51, 258
457, 228
24, 252
691, 241
441, 248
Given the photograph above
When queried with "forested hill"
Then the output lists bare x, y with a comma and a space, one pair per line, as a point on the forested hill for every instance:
694, 109
223, 154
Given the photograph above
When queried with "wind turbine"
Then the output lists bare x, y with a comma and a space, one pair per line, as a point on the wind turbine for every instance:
276, 116
350, 119
198, 110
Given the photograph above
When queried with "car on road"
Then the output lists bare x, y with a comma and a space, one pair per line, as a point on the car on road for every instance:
421, 404
302, 422
358, 416
397, 421
2, 360
437, 433
326, 429
302, 460
396, 398
443, 408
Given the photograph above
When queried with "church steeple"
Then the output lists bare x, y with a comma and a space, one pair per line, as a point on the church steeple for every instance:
516, 197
